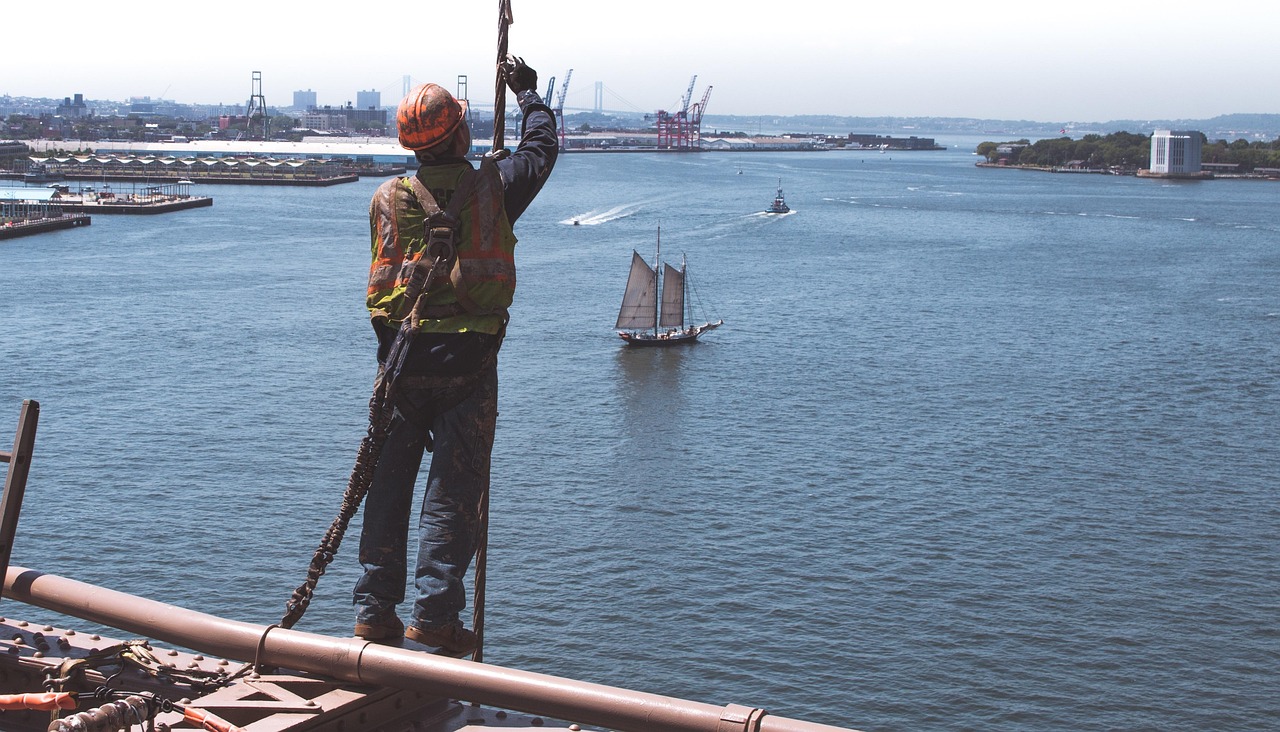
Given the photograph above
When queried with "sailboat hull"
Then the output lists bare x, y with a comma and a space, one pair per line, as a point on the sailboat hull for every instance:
679, 337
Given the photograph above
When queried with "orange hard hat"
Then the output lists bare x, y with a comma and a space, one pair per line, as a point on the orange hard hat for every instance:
428, 115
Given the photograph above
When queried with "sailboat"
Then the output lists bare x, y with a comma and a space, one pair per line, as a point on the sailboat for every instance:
779, 204
643, 321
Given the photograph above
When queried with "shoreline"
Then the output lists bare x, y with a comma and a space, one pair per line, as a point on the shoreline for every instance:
1141, 173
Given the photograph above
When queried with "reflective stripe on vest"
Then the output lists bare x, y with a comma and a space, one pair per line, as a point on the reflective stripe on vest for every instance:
485, 268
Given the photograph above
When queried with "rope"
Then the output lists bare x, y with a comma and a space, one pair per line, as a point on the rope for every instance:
500, 84
381, 412
499, 132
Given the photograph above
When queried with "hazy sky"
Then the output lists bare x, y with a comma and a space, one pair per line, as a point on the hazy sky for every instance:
1081, 60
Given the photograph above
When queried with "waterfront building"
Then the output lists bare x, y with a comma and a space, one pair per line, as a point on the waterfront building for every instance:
371, 99
1176, 152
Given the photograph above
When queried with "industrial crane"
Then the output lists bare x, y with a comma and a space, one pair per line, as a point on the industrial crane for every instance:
682, 130
559, 108
695, 118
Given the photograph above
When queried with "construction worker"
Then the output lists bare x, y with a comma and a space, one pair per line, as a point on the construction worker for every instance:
446, 392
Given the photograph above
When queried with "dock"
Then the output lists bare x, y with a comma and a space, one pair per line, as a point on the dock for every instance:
27, 227
249, 170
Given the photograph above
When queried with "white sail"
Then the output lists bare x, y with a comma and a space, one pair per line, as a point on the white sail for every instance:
672, 296
639, 302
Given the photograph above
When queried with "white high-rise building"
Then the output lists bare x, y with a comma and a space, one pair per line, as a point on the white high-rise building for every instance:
1175, 151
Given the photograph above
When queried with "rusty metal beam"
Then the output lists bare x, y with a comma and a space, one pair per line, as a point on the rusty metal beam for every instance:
15, 481
359, 661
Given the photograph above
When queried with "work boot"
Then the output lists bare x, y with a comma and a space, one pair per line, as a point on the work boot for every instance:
451, 638
389, 630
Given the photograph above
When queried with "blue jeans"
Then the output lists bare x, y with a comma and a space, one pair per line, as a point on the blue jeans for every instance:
449, 521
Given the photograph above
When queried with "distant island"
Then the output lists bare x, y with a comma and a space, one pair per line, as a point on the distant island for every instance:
1226, 126
1126, 153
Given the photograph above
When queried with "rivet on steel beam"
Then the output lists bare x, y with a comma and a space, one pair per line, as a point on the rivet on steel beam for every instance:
23, 623
17, 638
173, 653
501, 714
198, 658
70, 632
95, 636
536, 721
48, 628
38, 654
575, 728
309, 703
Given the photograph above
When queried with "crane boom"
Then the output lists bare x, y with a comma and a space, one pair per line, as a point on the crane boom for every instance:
564, 89
688, 95
696, 119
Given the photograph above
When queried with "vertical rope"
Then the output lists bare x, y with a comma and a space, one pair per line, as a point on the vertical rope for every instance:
499, 128
500, 85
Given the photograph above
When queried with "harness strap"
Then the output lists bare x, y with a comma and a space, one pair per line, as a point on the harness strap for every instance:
441, 230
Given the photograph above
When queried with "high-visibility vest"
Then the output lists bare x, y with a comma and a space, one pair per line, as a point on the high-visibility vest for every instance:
485, 267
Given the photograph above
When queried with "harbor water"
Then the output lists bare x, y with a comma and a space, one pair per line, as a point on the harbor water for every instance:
974, 449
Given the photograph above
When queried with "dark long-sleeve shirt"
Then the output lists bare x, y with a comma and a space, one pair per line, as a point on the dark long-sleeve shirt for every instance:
524, 172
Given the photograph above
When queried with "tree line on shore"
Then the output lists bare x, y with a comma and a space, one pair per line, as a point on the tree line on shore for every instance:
1124, 151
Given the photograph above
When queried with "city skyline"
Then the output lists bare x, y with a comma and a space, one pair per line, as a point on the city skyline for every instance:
995, 59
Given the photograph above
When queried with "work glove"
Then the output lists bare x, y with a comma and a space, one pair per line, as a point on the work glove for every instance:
518, 75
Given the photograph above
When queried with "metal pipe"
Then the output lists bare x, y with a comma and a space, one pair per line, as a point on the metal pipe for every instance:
361, 662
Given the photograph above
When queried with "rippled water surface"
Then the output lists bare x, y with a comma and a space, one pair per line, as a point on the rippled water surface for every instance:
974, 448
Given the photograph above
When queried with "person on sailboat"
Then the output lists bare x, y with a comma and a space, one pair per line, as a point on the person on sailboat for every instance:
446, 392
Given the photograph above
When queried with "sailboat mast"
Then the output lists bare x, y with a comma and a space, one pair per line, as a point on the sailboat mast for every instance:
684, 283
657, 272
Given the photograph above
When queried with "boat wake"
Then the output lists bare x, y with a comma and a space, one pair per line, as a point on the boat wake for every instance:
595, 218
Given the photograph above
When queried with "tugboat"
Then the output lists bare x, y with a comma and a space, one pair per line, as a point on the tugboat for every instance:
779, 205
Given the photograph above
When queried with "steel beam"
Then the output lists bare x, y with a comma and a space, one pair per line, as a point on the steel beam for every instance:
359, 661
